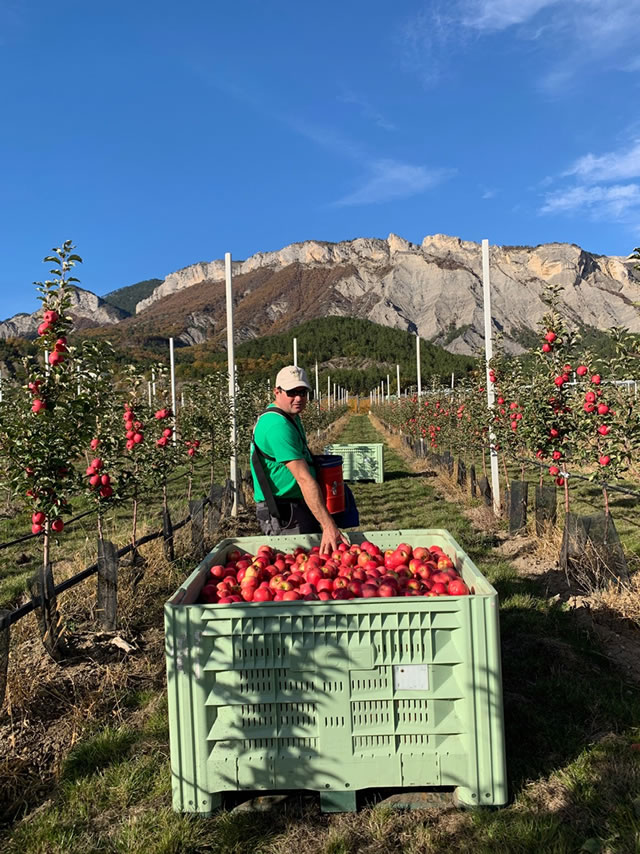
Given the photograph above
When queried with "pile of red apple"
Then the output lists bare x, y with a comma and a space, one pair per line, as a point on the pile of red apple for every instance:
351, 572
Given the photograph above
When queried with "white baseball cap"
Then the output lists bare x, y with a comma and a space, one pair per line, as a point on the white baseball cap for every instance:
292, 377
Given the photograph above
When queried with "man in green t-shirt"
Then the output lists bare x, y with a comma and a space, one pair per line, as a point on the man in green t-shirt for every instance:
281, 444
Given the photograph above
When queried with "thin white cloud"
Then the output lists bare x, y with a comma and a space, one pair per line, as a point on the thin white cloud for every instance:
386, 179
422, 42
612, 166
367, 110
616, 202
571, 38
390, 179
598, 190
499, 14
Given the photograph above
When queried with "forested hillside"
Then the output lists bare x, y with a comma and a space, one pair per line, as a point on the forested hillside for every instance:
367, 353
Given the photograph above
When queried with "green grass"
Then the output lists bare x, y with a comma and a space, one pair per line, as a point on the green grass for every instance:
570, 720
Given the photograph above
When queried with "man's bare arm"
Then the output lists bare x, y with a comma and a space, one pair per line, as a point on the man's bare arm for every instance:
311, 493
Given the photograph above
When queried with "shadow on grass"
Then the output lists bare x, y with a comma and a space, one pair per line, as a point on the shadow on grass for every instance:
398, 474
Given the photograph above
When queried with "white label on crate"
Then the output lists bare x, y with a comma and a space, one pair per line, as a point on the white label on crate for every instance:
410, 677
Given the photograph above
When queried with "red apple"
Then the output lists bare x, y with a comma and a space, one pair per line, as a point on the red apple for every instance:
457, 587
386, 590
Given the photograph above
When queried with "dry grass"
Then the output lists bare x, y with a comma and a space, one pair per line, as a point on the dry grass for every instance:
49, 705
623, 599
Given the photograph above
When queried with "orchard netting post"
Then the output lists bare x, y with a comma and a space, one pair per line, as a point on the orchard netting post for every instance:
107, 593
4, 653
172, 364
488, 349
232, 382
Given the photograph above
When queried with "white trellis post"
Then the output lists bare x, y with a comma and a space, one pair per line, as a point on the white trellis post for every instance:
295, 352
172, 366
398, 379
317, 387
453, 379
153, 382
488, 350
328, 392
149, 386
418, 365
231, 367
388, 389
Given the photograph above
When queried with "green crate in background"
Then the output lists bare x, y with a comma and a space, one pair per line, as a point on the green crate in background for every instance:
360, 462
337, 696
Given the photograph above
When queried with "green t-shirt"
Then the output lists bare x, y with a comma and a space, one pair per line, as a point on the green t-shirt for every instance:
278, 437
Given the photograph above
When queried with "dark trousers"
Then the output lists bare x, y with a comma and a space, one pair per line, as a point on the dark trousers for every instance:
295, 518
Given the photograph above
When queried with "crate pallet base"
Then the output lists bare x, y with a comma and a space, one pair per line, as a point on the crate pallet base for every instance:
341, 800
336, 697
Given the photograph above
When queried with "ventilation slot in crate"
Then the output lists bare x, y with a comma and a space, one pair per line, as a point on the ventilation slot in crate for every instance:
418, 741
255, 681
288, 684
296, 714
413, 713
372, 743
371, 713
258, 716
363, 683
334, 721
333, 687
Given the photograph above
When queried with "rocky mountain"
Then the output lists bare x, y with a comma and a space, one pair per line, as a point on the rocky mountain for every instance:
87, 310
434, 288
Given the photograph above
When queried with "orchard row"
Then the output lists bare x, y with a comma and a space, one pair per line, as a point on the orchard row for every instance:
76, 429
559, 406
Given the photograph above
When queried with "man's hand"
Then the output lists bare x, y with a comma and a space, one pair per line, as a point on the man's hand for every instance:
331, 536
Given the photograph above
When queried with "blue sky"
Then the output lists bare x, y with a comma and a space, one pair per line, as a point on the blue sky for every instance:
158, 134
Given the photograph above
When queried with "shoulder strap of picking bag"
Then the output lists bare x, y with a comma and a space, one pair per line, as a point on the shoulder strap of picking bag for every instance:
258, 467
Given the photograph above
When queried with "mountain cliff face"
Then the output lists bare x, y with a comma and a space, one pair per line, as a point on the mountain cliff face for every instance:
434, 288
87, 310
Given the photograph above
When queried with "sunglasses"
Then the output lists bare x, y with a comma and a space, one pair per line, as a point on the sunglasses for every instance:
296, 392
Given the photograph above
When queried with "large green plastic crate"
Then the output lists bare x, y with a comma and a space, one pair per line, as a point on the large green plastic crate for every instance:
360, 462
335, 696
